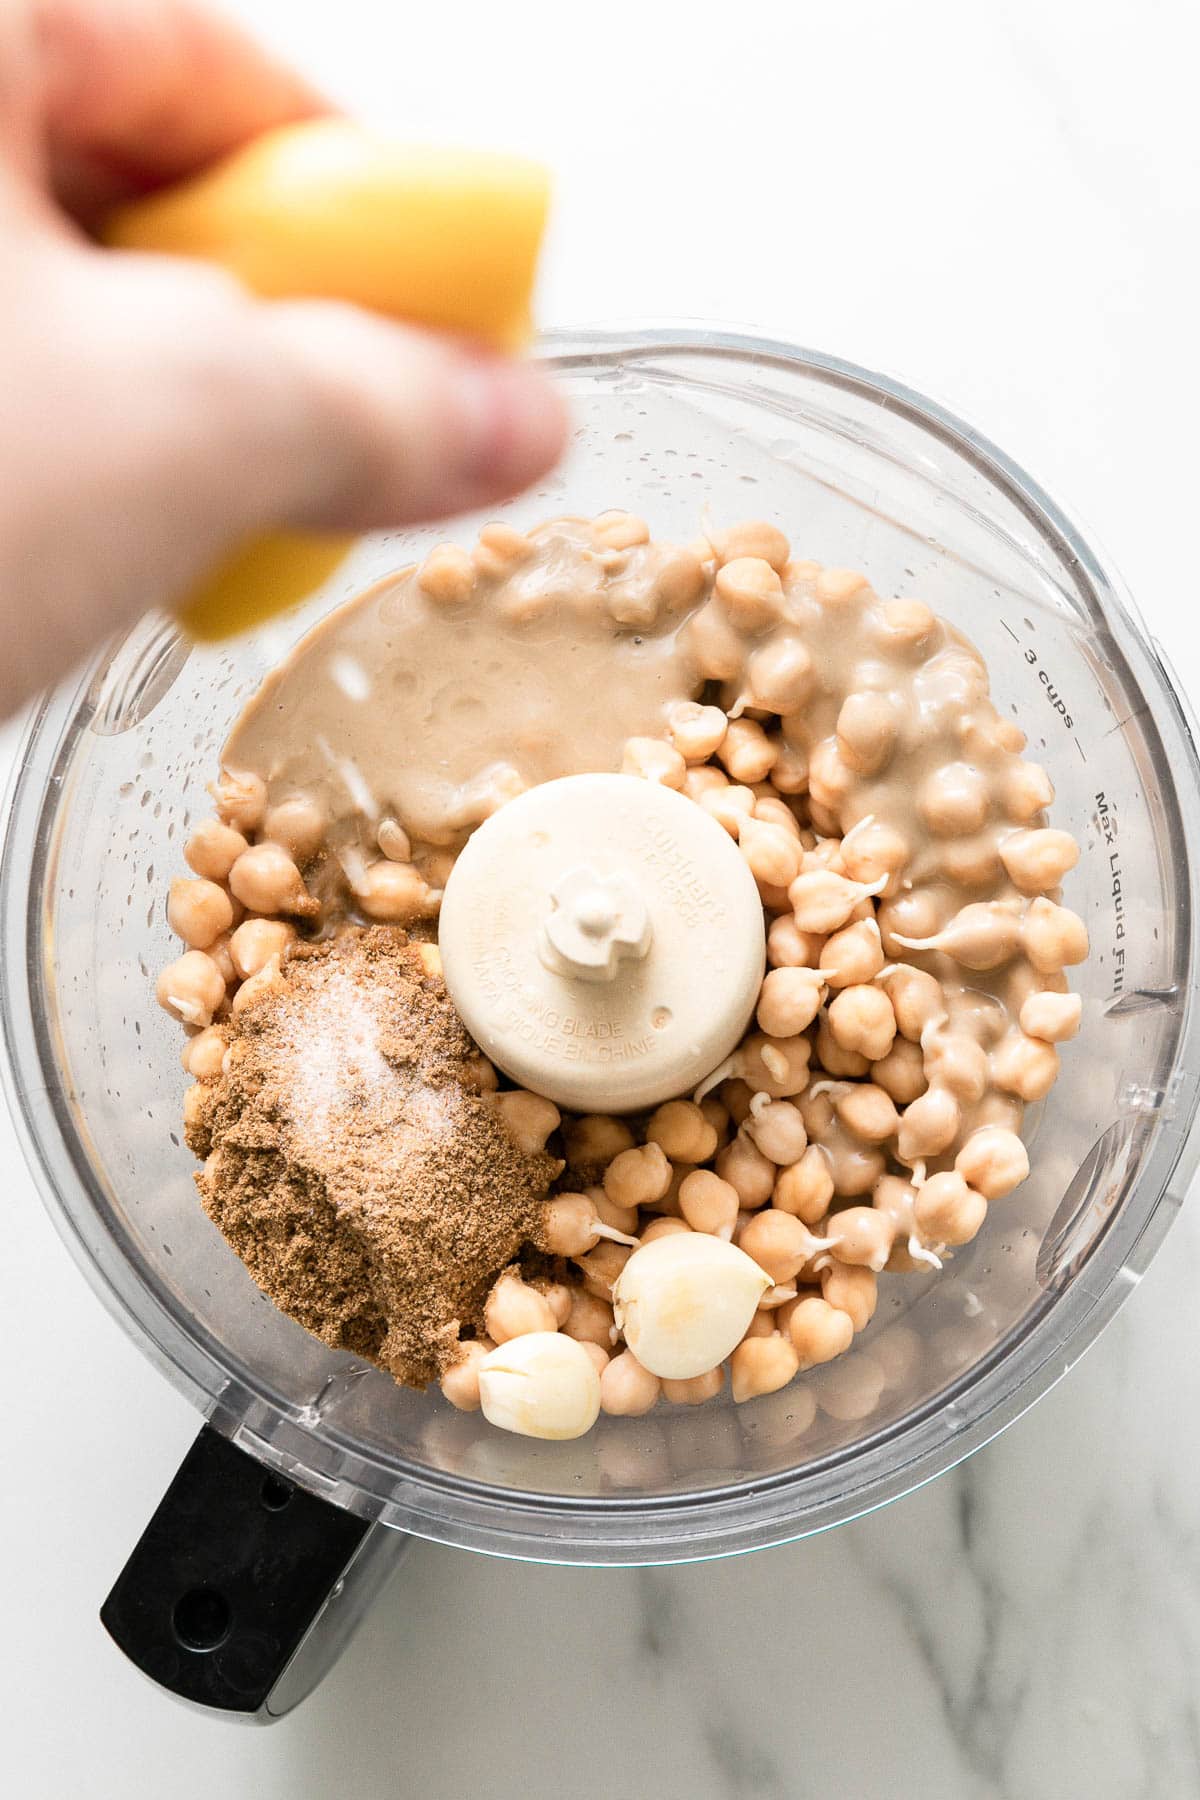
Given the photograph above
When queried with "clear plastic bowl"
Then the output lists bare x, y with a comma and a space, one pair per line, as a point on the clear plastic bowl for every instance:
678, 425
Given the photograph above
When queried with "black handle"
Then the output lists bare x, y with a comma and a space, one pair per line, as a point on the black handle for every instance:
231, 1577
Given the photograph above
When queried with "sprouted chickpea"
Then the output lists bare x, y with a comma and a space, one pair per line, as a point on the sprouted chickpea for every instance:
191, 988
789, 1000
1053, 1017
947, 1211
266, 880
696, 731
653, 760
256, 941
777, 1128
750, 1173
627, 1390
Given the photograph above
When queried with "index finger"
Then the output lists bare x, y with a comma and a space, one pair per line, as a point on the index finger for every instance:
137, 93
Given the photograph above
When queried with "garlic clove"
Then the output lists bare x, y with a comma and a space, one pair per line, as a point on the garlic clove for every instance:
541, 1385
685, 1301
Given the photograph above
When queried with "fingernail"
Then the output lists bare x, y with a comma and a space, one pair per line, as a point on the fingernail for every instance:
512, 423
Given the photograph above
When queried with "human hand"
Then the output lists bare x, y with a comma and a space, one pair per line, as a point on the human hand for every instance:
155, 413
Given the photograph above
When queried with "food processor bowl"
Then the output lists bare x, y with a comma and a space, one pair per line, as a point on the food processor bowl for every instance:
682, 426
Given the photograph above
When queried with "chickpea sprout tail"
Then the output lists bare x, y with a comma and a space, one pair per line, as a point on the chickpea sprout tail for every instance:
915, 996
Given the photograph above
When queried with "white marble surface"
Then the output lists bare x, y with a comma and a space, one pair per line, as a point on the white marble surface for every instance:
1000, 205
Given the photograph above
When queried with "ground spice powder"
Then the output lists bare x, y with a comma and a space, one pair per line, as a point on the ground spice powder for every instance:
352, 1162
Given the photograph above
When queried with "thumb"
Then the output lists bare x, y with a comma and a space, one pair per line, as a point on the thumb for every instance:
377, 424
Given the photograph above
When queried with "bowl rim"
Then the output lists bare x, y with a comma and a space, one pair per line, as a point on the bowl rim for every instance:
612, 1529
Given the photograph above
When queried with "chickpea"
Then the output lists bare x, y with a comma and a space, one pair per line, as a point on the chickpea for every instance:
777, 1128
914, 912
653, 760
823, 901
396, 892
845, 1064
711, 645
762, 1365
1038, 860
636, 1177
1025, 791
514, 1309
754, 538
730, 807
771, 808
790, 948
948, 1211
818, 1331
266, 880
256, 941
1025, 1066
267, 980
867, 729
834, 587
479, 1072
868, 1112
970, 861
775, 1066
241, 799
619, 1218
204, 1054
746, 751
917, 1000
862, 1236
825, 820
906, 625
696, 1389
953, 801
763, 1324
750, 592
703, 778
862, 1019
567, 1225
901, 1073
873, 850
212, 849
1054, 1017
528, 1119
993, 1162
696, 731
737, 1096
789, 1001
779, 1243
772, 855
682, 1132
895, 1199
195, 1109
744, 1167
191, 988
500, 549
460, 1384
627, 1390
601, 1267
618, 530
557, 1295
980, 936
853, 955
779, 675
1052, 937
664, 1227
853, 1290
198, 911
958, 1063
805, 1187
592, 1140
590, 1321
830, 780
717, 1116
928, 1125
297, 826
789, 772
708, 1203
